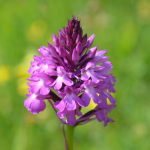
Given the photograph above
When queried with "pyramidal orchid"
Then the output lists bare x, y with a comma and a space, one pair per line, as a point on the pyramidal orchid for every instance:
71, 67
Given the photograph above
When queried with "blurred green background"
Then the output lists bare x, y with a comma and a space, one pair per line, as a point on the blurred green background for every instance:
122, 27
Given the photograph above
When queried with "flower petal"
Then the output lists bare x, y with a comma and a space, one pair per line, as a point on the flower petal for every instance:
60, 105
100, 115
75, 55
44, 90
71, 119
110, 97
37, 106
79, 47
70, 103
58, 84
85, 97
67, 81
85, 77
55, 40
78, 100
90, 41
110, 108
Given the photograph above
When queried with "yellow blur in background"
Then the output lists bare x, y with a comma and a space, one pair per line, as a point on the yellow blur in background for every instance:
4, 74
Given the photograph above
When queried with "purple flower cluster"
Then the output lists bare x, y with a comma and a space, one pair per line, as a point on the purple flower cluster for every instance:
72, 68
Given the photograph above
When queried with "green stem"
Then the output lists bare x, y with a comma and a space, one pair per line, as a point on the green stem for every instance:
70, 136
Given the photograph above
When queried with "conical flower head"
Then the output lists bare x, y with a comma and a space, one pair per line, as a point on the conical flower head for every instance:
73, 30
70, 66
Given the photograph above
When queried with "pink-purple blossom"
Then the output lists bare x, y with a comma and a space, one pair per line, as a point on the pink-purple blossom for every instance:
71, 67
101, 114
